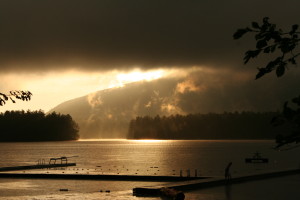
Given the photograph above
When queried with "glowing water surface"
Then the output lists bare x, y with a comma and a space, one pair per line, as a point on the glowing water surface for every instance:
148, 157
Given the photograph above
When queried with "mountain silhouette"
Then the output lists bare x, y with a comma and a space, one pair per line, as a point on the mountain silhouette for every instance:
107, 113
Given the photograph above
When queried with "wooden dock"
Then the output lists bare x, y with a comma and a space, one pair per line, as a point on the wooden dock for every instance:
209, 182
39, 166
78, 176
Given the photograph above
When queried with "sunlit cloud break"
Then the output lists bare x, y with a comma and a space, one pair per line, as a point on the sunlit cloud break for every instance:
135, 76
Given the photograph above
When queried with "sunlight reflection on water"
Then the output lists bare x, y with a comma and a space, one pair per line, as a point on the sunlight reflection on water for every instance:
135, 157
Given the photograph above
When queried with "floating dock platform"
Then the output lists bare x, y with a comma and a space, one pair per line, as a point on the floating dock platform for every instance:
44, 166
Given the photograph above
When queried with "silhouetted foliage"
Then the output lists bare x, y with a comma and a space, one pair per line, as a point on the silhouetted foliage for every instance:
244, 125
292, 118
272, 40
37, 126
13, 95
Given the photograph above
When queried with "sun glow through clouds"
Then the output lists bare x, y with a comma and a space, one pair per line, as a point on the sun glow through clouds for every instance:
135, 76
52, 88
148, 141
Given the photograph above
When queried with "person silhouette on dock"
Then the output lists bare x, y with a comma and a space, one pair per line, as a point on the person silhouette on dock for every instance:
227, 172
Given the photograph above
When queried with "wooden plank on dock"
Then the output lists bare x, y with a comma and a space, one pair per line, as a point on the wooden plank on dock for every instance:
99, 177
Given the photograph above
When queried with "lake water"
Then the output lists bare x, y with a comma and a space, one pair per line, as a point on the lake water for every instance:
132, 157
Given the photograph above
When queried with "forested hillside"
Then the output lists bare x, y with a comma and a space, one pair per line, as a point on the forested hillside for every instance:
244, 125
37, 126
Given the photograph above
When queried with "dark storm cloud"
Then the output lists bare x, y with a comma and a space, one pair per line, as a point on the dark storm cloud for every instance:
108, 34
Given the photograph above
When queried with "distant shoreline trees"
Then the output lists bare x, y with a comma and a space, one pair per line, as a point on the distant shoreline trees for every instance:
243, 125
21, 126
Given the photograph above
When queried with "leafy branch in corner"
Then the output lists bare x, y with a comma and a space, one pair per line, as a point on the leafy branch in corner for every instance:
292, 117
13, 95
273, 40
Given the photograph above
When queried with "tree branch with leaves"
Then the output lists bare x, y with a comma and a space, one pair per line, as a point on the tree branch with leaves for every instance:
14, 95
283, 45
270, 39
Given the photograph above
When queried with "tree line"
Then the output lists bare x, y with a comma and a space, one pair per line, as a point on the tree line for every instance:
37, 126
236, 125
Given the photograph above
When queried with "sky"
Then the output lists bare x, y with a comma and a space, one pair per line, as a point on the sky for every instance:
65, 49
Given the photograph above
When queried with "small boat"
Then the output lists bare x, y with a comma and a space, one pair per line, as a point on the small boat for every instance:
170, 193
256, 159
